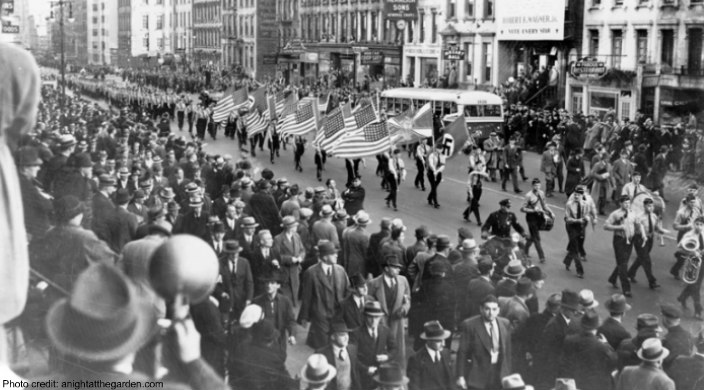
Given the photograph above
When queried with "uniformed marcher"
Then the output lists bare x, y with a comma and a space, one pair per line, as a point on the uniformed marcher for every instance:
623, 223
436, 165
650, 224
500, 222
579, 210
536, 212
693, 290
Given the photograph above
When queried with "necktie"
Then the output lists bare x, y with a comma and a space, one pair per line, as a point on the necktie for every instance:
374, 334
579, 210
650, 224
218, 247
234, 266
342, 355
266, 252
494, 336
437, 356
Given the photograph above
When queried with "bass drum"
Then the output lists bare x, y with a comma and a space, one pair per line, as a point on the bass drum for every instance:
637, 203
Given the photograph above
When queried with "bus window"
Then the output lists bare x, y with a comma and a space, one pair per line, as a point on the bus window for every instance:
405, 103
471, 111
492, 110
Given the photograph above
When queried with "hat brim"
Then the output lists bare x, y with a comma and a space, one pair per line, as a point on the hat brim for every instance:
523, 271
332, 373
445, 334
663, 355
32, 163
145, 328
404, 381
374, 314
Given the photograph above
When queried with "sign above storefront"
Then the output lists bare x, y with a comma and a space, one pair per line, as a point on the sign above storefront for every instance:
372, 58
453, 53
588, 68
294, 46
530, 20
401, 9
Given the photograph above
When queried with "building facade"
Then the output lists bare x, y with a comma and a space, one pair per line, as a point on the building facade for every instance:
673, 77
229, 34
257, 37
75, 36
145, 32
183, 29
102, 31
207, 25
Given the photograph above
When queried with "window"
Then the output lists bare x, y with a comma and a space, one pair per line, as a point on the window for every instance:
159, 22
333, 25
353, 25
375, 26
343, 26
668, 47
616, 48
694, 48
95, 20
451, 9
434, 27
618, 3
160, 43
95, 32
95, 7
642, 46
596, 3
469, 59
489, 9
469, 8
145, 42
363, 23
421, 21
487, 49
145, 22
593, 43
410, 30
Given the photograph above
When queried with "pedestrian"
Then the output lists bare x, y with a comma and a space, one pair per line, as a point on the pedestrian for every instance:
526, 339
298, 150
317, 373
37, 203
292, 251
323, 288
612, 328
623, 223
353, 196
622, 171
537, 212
375, 344
390, 376
575, 171
677, 340
235, 287
278, 310
264, 367
647, 326
355, 245
343, 356
489, 363
688, 371
500, 222
430, 368
579, 211
649, 374
650, 223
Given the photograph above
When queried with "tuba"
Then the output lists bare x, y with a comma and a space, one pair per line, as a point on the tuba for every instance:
692, 260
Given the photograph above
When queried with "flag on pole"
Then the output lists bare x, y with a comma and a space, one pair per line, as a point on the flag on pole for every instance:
323, 104
338, 123
301, 121
455, 137
275, 104
364, 115
370, 141
422, 123
401, 128
231, 101
289, 106
254, 123
259, 100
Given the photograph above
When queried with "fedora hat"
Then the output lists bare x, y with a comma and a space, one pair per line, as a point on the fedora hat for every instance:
570, 300
391, 260
191, 187
652, 350
514, 382
373, 309
66, 141
288, 221
326, 211
67, 207
305, 212
264, 332
232, 246
514, 269
339, 326
390, 374
326, 248
273, 276
167, 193
162, 227
524, 286
443, 242
123, 171
103, 319
565, 384
122, 196
195, 201
647, 321
362, 218
617, 303
589, 320
28, 156
82, 160
433, 330
218, 227
535, 273
250, 316
249, 222
317, 370
586, 299
468, 244
357, 281
106, 180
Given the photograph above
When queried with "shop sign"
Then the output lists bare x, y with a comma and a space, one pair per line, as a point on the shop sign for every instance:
359, 49
530, 20
8, 6
372, 58
588, 68
294, 46
9, 28
453, 53
269, 59
401, 9
431, 51
309, 57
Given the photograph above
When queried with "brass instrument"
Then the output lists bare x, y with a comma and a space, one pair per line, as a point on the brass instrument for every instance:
692, 260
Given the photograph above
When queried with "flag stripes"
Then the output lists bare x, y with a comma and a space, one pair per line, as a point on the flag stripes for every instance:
370, 141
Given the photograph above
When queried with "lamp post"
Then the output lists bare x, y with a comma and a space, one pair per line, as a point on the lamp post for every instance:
62, 35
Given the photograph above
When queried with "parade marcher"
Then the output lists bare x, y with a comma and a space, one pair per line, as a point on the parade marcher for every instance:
489, 363
579, 211
493, 147
235, 287
474, 191
289, 245
394, 295
36, 203
277, 309
323, 288
621, 172
536, 212
683, 224
396, 173
430, 368
420, 155
375, 343
436, 166
650, 223
180, 113
548, 165
692, 189
602, 182
633, 188
355, 245
688, 371
511, 163
612, 328
649, 374
500, 222
624, 225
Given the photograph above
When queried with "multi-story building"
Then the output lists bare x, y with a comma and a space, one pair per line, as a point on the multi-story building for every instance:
422, 51
102, 31
183, 29
145, 32
257, 37
619, 36
207, 25
229, 33
75, 31
673, 77
352, 39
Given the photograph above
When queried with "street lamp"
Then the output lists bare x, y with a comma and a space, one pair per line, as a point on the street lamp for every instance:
61, 3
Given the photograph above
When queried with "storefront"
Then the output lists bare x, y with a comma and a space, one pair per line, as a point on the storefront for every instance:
309, 67
669, 105
422, 63
616, 91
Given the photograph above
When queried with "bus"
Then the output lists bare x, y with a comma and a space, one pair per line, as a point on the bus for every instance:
483, 111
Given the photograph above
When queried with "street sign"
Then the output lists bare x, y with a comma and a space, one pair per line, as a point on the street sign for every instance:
10, 29
372, 58
588, 68
401, 9
453, 53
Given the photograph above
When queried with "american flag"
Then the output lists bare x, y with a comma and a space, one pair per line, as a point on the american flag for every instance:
323, 104
255, 123
231, 101
275, 104
338, 123
370, 141
290, 104
301, 121
364, 115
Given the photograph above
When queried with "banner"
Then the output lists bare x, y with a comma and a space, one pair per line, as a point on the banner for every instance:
401, 10
530, 20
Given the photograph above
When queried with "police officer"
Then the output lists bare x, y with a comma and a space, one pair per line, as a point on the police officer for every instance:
500, 222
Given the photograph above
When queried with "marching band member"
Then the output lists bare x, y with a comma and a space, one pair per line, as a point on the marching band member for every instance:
693, 290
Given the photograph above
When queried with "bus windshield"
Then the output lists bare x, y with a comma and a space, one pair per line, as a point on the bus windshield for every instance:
482, 110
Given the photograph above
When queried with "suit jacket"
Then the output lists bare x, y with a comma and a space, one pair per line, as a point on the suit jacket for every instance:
550, 348
123, 229
474, 354
37, 206
679, 342
354, 363
514, 310
614, 332
424, 375
477, 289
263, 208
352, 314
287, 249
188, 223
262, 266
644, 377
588, 361
547, 164
622, 171
687, 372
320, 300
355, 244
395, 314
368, 348
373, 258
103, 210
139, 210
262, 368
238, 285
283, 316
324, 230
